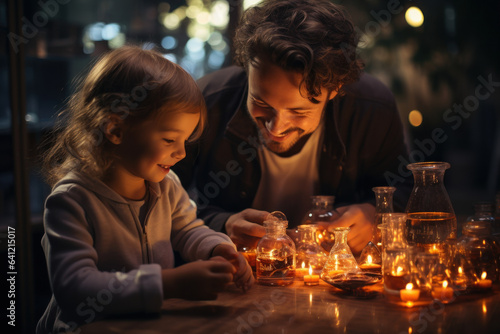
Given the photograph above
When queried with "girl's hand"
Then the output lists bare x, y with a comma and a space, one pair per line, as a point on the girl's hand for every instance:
199, 280
243, 278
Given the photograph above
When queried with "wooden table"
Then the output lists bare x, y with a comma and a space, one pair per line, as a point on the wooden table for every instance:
317, 309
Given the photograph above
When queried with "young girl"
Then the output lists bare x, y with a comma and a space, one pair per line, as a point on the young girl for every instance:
117, 211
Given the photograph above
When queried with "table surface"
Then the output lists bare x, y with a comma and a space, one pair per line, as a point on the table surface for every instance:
304, 309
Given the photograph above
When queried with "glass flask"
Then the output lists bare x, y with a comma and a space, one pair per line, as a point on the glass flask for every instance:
309, 253
370, 260
275, 262
431, 223
322, 214
383, 204
479, 248
340, 261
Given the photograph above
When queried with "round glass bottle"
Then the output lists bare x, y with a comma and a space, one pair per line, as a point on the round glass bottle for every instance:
431, 219
275, 262
322, 214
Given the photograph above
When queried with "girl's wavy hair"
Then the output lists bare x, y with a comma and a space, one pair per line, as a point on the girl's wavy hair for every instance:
312, 37
130, 82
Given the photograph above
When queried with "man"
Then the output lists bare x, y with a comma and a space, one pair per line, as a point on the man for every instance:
296, 119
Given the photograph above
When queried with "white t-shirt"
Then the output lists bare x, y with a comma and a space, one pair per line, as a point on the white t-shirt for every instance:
287, 184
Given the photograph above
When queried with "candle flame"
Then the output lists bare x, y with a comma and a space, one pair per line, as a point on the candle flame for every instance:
460, 271
303, 264
445, 283
369, 259
320, 236
310, 270
409, 286
484, 308
399, 270
483, 275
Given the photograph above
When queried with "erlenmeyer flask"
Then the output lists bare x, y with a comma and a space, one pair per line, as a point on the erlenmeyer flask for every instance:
340, 261
431, 218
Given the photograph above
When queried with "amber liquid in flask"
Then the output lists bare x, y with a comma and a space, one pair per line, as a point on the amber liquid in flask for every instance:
431, 222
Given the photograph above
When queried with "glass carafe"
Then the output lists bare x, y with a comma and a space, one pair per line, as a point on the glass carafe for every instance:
340, 261
383, 205
322, 214
431, 223
275, 262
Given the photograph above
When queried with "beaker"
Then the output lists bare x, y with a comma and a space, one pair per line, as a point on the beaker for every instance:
431, 219
340, 261
322, 214
383, 204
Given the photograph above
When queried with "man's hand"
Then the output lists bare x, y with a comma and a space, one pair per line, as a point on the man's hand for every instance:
245, 227
360, 218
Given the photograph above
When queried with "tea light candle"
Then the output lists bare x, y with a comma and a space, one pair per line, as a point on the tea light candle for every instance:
369, 264
311, 279
443, 293
301, 272
409, 294
484, 283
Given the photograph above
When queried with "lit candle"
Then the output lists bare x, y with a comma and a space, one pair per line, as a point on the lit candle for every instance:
409, 294
444, 293
300, 272
484, 283
311, 279
369, 264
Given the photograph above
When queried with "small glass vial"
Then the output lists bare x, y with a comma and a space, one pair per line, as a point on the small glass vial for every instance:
322, 214
275, 261
309, 253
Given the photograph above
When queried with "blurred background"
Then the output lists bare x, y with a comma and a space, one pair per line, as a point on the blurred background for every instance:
439, 57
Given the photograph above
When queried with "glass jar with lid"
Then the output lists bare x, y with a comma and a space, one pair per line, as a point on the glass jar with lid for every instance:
275, 261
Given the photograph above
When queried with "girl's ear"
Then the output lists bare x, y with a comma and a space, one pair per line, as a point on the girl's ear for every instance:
114, 128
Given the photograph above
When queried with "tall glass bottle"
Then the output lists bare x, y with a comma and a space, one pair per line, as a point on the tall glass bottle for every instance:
322, 214
275, 261
432, 223
383, 205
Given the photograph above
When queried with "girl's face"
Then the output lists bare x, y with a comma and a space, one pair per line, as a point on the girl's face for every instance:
150, 148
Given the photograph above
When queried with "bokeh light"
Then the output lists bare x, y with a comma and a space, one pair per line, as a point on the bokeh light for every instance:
415, 118
414, 16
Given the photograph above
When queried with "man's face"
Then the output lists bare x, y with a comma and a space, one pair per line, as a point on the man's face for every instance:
282, 115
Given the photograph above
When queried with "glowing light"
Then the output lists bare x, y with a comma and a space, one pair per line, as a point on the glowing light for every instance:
219, 14
199, 31
110, 31
169, 42
118, 41
171, 21
250, 3
415, 118
203, 17
483, 275
414, 16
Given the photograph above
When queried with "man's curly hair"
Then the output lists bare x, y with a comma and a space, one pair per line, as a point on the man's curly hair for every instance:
312, 37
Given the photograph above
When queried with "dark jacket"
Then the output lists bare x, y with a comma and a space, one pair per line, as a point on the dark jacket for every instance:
363, 140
